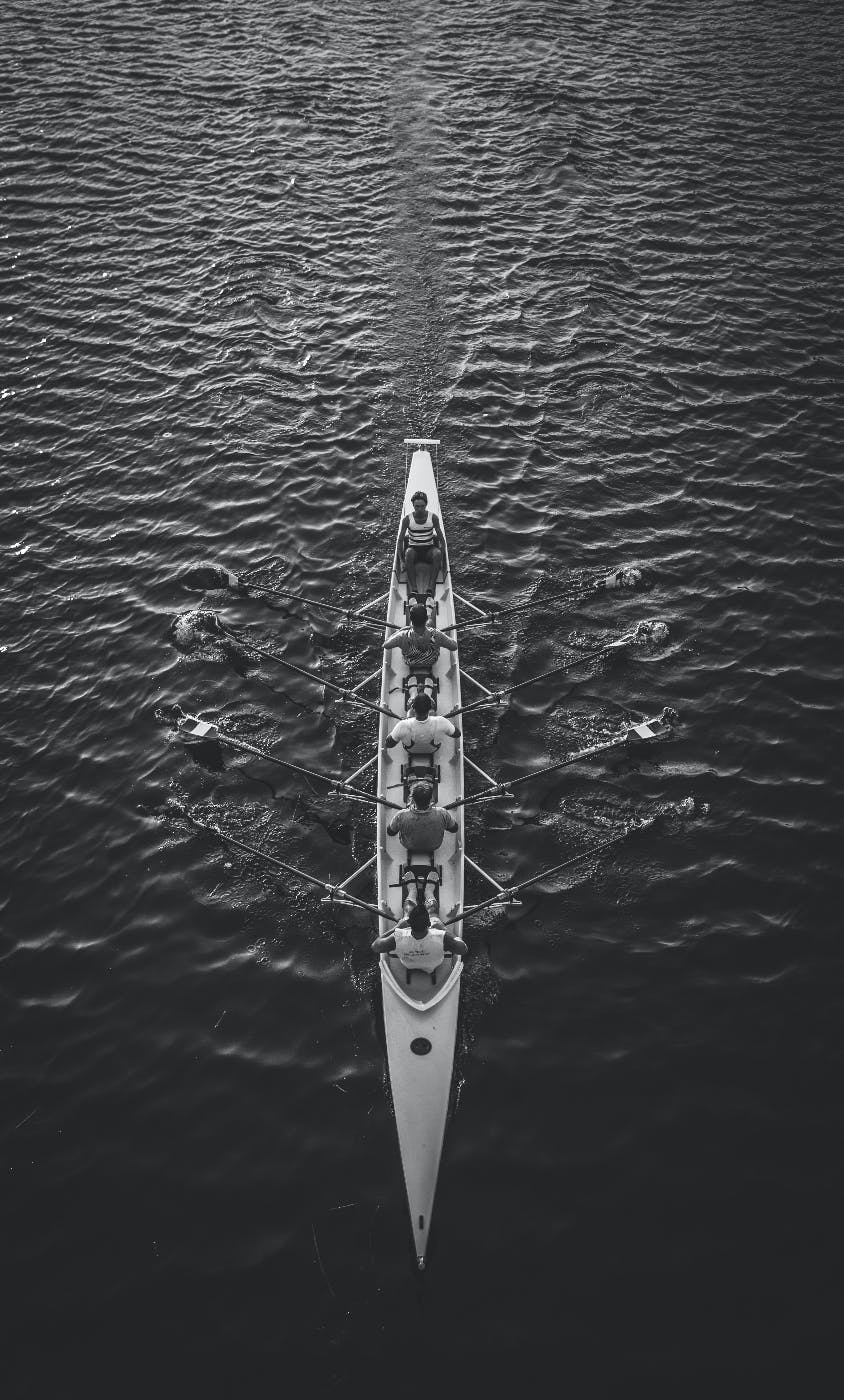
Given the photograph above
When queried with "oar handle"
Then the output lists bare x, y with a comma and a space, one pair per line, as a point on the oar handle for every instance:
494, 698
363, 796
337, 895
485, 795
353, 698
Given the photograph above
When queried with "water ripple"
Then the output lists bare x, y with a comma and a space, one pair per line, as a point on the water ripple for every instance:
597, 251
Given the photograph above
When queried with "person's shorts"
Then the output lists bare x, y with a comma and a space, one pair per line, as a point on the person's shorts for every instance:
423, 552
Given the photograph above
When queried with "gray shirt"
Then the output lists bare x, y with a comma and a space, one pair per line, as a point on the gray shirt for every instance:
421, 831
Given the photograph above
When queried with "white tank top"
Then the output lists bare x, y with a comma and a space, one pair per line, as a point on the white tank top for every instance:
426, 953
422, 733
420, 534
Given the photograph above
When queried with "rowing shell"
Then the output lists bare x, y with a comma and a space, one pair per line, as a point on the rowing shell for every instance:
420, 1013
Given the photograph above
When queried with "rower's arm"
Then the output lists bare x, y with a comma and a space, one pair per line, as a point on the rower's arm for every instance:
385, 943
452, 944
394, 641
450, 643
403, 536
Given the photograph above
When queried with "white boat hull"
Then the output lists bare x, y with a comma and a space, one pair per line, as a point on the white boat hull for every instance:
421, 1086
420, 1015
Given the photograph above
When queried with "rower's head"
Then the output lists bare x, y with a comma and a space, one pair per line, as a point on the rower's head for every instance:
420, 795
419, 920
421, 704
419, 501
418, 615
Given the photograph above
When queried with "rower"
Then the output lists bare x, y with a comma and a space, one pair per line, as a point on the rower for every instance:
420, 938
421, 541
421, 729
419, 826
420, 644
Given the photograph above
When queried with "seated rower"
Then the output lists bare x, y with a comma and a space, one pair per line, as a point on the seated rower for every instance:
421, 728
420, 644
421, 541
420, 938
419, 826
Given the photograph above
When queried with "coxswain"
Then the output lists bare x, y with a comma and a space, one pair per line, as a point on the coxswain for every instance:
419, 826
420, 938
420, 643
421, 541
421, 728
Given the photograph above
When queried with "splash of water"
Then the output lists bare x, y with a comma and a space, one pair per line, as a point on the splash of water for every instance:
195, 628
651, 634
626, 577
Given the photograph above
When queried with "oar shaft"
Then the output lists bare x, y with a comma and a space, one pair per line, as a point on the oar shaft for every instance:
277, 592
498, 695
358, 771
495, 613
510, 891
345, 898
660, 726
243, 746
499, 788
310, 675
339, 784
575, 860
254, 851
365, 796
591, 752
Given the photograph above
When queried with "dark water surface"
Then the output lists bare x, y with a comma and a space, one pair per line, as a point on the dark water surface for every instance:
597, 249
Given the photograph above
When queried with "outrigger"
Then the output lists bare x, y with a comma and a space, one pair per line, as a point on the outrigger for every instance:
420, 1008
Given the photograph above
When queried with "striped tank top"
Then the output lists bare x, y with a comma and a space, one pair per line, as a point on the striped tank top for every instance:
420, 534
420, 650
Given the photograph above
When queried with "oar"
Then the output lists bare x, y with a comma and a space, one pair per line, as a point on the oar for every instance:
246, 581
509, 892
349, 695
493, 614
290, 869
206, 730
646, 729
497, 696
